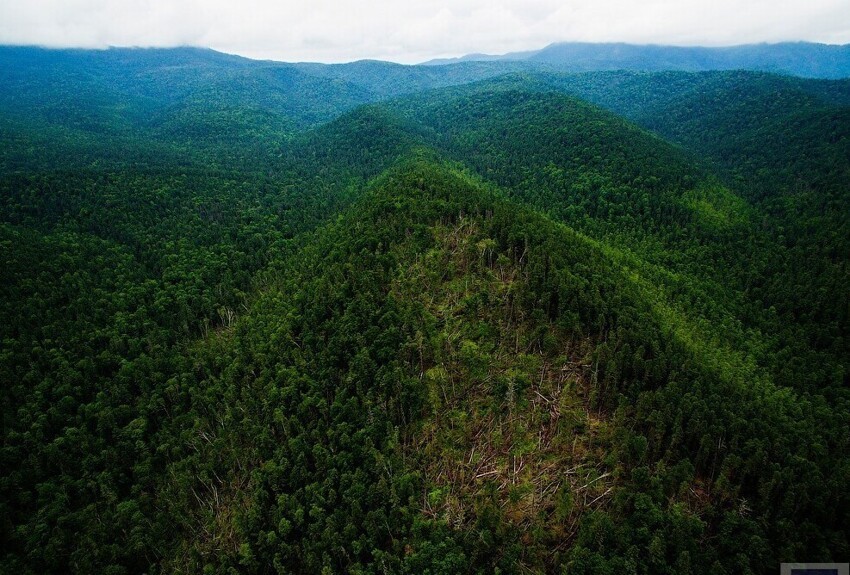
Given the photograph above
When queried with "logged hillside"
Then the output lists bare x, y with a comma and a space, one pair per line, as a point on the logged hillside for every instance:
476, 329
506, 337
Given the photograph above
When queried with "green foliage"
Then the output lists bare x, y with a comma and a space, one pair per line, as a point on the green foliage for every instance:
479, 329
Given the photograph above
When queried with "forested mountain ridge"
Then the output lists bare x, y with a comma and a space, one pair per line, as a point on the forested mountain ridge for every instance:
141, 88
483, 325
805, 59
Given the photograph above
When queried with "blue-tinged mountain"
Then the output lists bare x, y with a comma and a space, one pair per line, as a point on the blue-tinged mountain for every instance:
387, 79
795, 58
185, 93
198, 93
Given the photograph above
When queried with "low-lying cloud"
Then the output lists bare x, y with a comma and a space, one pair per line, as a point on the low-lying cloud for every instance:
338, 31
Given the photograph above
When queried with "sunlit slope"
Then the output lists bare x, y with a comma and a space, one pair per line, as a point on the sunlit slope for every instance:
783, 144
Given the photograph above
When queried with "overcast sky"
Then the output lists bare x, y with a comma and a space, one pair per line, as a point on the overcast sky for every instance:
413, 31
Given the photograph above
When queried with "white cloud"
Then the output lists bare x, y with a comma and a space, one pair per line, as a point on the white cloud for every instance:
340, 30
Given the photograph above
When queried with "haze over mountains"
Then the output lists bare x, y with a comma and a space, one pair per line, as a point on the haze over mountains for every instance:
486, 316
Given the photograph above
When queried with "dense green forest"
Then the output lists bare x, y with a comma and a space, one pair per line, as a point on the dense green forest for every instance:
483, 317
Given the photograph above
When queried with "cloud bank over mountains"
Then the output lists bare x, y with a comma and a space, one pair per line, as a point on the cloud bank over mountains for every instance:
338, 31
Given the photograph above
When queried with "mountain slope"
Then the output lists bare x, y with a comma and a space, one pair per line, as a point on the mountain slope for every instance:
433, 313
480, 328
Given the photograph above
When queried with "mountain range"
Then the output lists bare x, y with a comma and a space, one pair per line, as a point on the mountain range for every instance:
484, 316
805, 59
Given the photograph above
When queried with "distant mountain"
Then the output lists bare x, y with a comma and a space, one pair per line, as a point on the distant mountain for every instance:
795, 58
139, 88
511, 56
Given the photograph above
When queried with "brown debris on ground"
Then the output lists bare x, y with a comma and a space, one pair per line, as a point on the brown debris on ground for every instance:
510, 424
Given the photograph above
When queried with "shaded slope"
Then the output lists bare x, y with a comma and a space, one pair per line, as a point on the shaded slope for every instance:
107, 277
110, 269
750, 125
285, 99
549, 150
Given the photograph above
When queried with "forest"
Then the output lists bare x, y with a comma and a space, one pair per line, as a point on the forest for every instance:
478, 317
